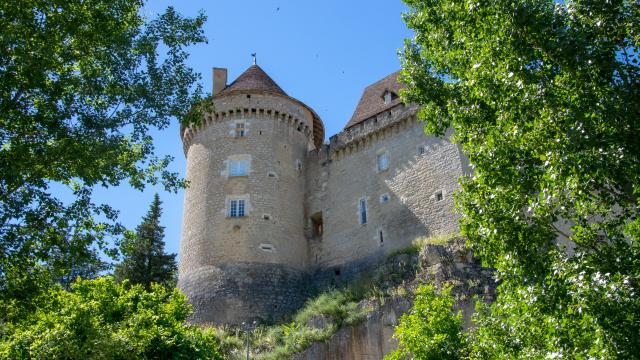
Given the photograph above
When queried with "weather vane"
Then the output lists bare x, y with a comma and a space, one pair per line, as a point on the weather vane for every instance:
255, 58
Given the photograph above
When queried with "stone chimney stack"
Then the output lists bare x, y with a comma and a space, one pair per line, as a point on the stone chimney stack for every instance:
219, 80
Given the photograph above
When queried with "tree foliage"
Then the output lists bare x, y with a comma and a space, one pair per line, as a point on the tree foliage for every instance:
81, 84
543, 97
430, 330
102, 319
144, 260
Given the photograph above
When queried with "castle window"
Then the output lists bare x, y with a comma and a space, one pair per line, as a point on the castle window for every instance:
240, 130
383, 161
381, 237
298, 165
238, 167
439, 196
421, 150
267, 247
362, 205
237, 208
316, 225
389, 96
384, 198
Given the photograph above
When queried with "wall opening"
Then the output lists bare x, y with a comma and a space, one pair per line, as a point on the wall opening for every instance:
381, 237
267, 247
316, 225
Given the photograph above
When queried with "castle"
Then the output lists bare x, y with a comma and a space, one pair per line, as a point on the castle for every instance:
272, 211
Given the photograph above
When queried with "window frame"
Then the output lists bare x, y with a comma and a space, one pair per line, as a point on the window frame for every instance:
237, 208
363, 216
240, 130
382, 166
234, 170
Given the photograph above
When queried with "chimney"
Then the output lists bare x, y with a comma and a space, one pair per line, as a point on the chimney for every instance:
219, 80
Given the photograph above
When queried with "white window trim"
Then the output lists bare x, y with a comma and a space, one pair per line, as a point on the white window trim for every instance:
237, 208
236, 161
382, 155
267, 248
238, 200
233, 127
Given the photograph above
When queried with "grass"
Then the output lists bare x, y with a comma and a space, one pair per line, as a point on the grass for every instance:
332, 310
419, 243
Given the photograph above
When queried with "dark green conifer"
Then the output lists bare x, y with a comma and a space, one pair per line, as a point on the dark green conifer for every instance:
144, 259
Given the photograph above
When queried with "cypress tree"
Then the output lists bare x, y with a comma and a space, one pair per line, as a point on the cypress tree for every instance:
144, 259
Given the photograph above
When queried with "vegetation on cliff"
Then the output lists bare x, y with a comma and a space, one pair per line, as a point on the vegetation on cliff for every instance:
335, 309
543, 98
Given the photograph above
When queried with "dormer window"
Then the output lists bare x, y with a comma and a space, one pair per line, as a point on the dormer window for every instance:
389, 96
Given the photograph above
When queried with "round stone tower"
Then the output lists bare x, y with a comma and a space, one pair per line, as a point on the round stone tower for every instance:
243, 250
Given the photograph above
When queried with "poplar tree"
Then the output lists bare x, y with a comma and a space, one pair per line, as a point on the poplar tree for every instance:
144, 259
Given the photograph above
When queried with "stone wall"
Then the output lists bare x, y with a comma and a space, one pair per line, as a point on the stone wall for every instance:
237, 292
401, 201
276, 139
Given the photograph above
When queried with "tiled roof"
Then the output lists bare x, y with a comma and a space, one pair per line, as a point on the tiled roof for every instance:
372, 100
254, 78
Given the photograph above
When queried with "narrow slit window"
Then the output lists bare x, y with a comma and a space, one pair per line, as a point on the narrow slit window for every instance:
381, 237
439, 196
363, 211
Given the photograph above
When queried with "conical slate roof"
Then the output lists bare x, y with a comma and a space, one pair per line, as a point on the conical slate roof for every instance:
254, 78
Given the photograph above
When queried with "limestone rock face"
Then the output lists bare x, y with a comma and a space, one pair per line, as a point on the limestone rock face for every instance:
373, 338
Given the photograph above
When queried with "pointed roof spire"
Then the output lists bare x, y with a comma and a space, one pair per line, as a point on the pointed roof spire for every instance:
254, 79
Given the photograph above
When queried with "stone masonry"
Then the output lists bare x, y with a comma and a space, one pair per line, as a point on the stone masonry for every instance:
273, 212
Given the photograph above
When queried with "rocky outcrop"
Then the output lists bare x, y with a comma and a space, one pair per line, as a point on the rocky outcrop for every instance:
373, 338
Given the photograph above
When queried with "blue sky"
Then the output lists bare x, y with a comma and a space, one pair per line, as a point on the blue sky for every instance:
323, 53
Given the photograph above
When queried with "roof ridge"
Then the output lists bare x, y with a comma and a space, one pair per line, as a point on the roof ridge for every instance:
395, 73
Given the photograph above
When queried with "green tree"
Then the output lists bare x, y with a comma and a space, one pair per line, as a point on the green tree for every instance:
430, 330
103, 319
144, 260
81, 84
543, 96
